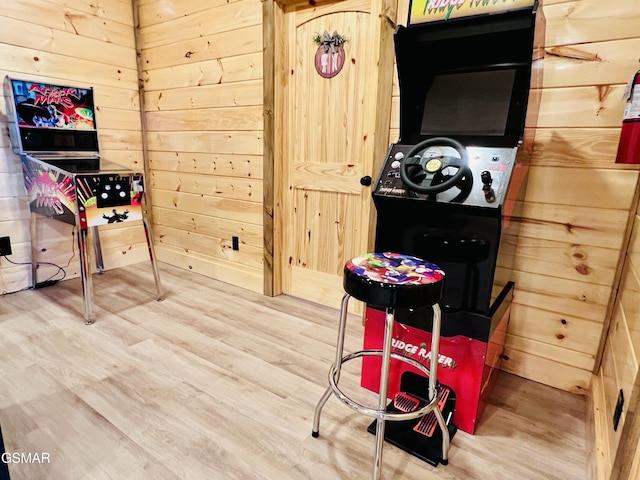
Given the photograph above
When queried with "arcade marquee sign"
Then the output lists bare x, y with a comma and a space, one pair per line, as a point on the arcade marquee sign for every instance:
423, 11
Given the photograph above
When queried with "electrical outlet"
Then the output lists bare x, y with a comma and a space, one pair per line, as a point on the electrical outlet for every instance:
5, 246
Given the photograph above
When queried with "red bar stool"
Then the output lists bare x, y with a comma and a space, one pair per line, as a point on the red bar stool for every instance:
390, 281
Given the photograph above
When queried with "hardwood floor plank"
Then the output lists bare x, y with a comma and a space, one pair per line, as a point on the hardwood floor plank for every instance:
217, 382
79, 442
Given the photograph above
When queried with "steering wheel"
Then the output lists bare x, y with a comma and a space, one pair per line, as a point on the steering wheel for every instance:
429, 170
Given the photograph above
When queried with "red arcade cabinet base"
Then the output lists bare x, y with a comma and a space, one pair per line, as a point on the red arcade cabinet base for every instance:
467, 365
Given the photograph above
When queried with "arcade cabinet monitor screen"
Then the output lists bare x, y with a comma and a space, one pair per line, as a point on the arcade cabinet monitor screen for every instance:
53, 106
468, 103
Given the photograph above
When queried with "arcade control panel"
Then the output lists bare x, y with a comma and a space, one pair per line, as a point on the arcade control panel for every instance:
490, 171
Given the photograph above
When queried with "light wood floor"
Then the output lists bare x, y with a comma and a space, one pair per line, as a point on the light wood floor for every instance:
219, 383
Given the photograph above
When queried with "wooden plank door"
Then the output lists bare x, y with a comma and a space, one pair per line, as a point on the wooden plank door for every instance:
327, 146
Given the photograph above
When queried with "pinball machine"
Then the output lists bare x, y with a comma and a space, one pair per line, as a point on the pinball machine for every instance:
53, 129
450, 190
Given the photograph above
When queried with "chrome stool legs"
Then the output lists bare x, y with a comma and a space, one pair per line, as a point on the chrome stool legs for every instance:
342, 328
384, 384
380, 412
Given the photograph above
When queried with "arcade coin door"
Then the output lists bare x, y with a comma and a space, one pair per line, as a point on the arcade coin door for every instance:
53, 128
469, 74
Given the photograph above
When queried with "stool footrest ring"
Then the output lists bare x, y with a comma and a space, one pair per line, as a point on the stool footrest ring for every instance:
376, 412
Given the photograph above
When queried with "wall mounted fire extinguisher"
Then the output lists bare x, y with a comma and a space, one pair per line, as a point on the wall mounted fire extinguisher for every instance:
629, 146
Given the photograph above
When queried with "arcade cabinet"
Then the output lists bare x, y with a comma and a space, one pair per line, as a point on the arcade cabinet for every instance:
450, 189
53, 128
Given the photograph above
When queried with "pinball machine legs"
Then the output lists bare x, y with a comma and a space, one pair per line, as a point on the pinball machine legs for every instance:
85, 266
84, 253
97, 250
148, 232
85, 270
34, 265
85, 275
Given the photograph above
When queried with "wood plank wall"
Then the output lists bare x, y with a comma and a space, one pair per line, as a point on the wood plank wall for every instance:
71, 42
578, 200
202, 65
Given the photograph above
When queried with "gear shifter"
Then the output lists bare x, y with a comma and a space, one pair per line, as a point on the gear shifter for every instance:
487, 181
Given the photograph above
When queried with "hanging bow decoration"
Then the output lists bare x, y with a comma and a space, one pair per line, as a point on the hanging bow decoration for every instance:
329, 42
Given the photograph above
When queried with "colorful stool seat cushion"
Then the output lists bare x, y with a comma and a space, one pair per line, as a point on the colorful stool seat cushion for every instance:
393, 280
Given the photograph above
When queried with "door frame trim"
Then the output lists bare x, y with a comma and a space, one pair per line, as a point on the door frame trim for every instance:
271, 12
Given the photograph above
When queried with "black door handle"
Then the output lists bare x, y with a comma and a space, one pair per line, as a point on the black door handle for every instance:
365, 181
